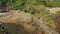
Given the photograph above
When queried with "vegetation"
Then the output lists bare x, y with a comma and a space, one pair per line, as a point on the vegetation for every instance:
58, 13
25, 4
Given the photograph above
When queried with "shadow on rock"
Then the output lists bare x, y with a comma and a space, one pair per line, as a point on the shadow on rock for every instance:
11, 28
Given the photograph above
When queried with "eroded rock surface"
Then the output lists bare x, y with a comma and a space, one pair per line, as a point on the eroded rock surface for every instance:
20, 23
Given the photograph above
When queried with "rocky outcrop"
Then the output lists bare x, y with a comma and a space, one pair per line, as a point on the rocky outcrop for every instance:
53, 10
17, 22
20, 23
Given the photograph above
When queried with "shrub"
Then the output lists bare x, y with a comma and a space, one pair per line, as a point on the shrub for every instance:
58, 13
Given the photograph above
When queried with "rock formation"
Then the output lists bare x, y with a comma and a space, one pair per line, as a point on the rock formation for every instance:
20, 23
